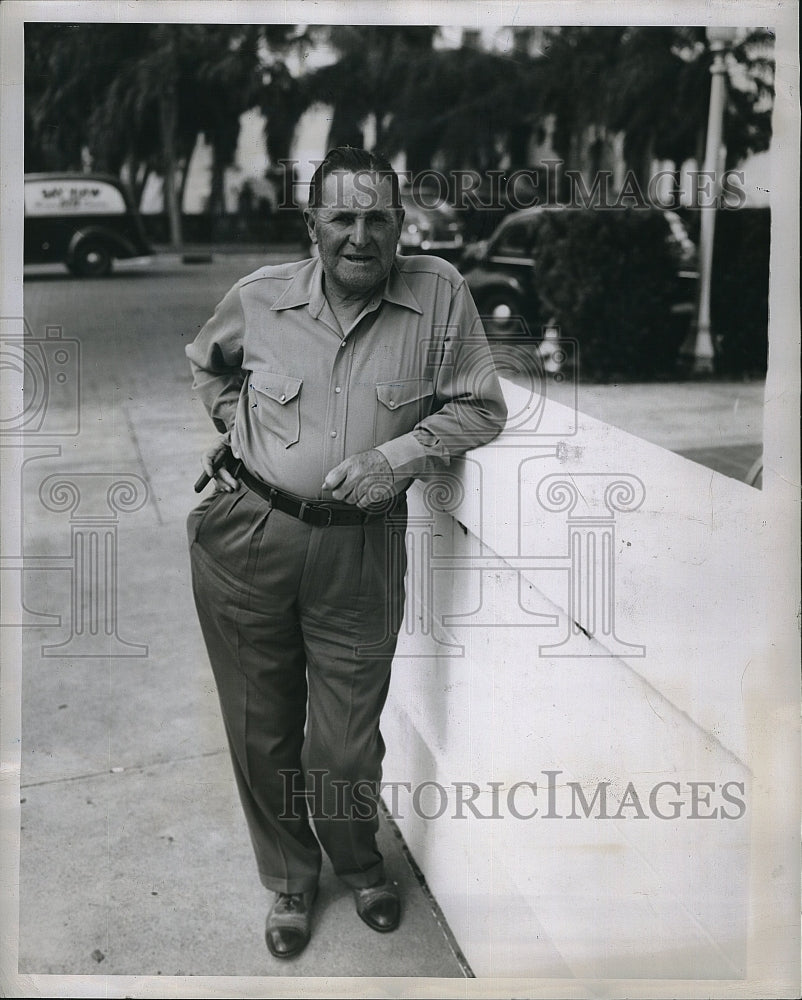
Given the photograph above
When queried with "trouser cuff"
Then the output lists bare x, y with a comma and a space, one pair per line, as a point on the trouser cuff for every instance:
361, 880
291, 885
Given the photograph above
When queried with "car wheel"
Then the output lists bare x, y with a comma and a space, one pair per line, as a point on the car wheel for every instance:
501, 314
91, 259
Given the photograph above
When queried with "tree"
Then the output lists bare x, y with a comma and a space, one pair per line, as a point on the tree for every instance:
137, 97
460, 107
662, 91
651, 84
137, 116
222, 72
68, 71
373, 64
108, 91
573, 84
189, 80
658, 71
453, 107
748, 121
282, 100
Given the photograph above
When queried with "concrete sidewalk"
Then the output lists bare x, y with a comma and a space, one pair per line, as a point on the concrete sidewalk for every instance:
135, 858
718, 424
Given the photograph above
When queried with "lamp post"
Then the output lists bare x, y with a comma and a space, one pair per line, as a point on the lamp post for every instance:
699, 344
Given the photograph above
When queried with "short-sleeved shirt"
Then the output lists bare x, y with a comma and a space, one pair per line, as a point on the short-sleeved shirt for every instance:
412, 376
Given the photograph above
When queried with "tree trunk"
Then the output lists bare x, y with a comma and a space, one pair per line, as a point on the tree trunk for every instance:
646, 165
419, 153
378, 143
139, 173
167, 121
168, 115
217, 206
216, 193
182, 184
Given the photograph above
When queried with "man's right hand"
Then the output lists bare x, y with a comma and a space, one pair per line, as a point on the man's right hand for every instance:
211, 462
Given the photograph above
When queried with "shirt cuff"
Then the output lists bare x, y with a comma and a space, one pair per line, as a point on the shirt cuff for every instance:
406, 456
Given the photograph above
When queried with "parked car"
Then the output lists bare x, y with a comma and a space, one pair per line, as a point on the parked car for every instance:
82, 220
430, 226
501, 271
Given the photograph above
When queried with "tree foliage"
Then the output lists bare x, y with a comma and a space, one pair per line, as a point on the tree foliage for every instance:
652, 84
462, 107
135, 97
373, 64
574, 85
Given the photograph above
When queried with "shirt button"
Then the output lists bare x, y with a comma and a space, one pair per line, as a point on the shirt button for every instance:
343, 343
334, 434
282, 397
391, 404
337, 388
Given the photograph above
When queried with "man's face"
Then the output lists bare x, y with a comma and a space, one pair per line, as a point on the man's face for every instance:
356, 230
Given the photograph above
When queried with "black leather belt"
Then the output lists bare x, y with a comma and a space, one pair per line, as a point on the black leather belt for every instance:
319, 513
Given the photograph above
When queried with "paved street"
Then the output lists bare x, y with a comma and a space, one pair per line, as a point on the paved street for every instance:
135, 858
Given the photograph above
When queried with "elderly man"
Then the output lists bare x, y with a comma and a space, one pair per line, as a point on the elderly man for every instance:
335, 381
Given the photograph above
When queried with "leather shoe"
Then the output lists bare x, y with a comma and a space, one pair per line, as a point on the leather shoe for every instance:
379, 906
288, 926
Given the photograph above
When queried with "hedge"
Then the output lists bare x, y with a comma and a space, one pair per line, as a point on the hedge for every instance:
608, 279
739, 293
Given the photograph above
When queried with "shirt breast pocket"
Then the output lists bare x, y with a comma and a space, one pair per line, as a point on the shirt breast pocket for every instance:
399, 406
277, 401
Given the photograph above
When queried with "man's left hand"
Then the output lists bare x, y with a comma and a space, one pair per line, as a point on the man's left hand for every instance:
364, 479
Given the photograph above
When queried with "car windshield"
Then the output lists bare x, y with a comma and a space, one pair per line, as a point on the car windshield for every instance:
514, 240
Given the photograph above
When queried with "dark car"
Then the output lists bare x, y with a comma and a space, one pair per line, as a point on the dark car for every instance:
431, 226
501, 271
82, 220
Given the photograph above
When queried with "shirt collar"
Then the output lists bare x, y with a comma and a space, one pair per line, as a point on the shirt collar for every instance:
398, 291
306, 289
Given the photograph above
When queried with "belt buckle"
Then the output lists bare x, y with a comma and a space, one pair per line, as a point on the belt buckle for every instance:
305, 506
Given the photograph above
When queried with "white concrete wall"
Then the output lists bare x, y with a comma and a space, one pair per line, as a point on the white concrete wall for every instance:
478, 697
